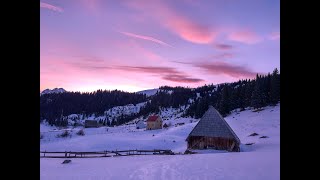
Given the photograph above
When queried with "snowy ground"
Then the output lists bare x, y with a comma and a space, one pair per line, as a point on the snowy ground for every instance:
258, 161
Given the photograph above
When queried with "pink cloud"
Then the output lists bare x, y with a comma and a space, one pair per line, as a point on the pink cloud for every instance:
190, 31
148, 38
274, 36
247, 37
176, 22
51, 7
144, 54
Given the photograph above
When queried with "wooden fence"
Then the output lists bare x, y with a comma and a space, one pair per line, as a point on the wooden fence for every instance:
72, 154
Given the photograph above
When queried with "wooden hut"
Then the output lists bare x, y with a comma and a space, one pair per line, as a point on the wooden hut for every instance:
154, 122
213, 132
91, 124
165, 125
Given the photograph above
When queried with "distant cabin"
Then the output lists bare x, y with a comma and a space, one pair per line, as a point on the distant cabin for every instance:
213, 132
141, 125
154, 122
91, 124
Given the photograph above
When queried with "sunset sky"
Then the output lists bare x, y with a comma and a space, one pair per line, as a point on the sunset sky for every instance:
134, 45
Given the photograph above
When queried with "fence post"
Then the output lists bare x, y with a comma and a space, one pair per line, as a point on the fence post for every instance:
44, 154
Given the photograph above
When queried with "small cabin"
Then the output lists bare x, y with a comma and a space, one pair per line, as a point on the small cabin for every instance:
91, 124
140, 125
154, 122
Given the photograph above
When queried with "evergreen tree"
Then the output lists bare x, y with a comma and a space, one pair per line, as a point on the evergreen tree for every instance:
275, 87
257, 99
224, 105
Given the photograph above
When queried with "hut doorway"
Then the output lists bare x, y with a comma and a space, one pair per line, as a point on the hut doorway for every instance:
201, 144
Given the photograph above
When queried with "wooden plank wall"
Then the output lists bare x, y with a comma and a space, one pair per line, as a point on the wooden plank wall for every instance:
198, 142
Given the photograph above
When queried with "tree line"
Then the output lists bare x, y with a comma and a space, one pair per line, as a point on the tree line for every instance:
262, 91
55, 106
256, 93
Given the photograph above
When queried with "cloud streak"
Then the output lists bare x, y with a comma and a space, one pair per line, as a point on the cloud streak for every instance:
216, 57
166, 73
181, 79
223, 47
147, 38
223, 68
50, 7
247, 37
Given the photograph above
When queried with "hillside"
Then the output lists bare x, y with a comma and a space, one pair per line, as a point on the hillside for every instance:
109, 107
263, 156
149, 92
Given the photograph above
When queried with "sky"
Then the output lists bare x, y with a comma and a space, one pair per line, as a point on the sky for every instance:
133, 45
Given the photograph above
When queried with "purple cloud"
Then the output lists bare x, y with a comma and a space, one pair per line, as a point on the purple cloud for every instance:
166, 73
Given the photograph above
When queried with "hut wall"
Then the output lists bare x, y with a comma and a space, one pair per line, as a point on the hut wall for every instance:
218, 143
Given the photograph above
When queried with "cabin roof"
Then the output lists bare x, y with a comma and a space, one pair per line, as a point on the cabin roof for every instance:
212, 124
152, 118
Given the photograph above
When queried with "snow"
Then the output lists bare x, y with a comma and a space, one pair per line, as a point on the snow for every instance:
122, 137
110, 114
149, 92
222, 166
55, 90
125, 110
172, 113
44, 127
258, 161
141, 124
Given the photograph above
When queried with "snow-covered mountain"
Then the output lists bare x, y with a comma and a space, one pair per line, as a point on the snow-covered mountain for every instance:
55, 90
110, 114
124, 110
114, 113
149, 92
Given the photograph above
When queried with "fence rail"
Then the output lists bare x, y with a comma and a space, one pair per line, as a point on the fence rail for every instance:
73, 154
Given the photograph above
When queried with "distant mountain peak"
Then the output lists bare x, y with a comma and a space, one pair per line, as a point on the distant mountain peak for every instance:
149, 92
55, 90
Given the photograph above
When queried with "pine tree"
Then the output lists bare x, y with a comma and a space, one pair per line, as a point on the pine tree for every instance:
248, 93
275, 87
257, 99
224, 105
242, 98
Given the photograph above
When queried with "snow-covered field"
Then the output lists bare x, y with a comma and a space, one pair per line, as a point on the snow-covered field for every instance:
260, 160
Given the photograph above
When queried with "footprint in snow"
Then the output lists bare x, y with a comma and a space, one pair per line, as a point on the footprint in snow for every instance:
264, 137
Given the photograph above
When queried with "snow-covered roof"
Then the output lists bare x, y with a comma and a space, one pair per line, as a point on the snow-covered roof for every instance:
212, 124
